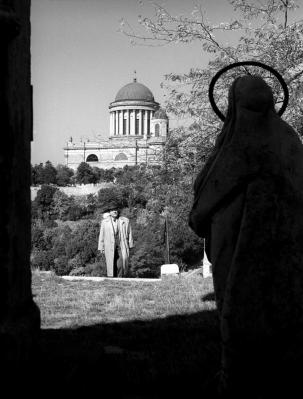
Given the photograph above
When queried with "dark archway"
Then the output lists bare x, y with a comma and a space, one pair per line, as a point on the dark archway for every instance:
92, 158
157, 130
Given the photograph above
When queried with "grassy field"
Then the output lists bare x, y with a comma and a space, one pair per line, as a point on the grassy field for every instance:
140, 339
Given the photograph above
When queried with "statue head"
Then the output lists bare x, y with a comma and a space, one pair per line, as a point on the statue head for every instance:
250, 92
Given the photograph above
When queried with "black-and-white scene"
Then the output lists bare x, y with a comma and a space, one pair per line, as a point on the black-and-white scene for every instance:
152, 198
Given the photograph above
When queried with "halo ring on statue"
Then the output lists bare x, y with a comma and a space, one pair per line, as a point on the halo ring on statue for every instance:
237, 64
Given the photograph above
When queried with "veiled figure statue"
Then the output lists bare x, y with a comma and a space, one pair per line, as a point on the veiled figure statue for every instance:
248, 206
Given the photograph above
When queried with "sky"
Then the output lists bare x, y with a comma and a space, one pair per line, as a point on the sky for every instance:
80, 60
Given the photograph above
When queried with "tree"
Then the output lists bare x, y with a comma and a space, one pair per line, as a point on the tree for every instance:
49, 173
85, 174
37, 174
61, 204
44, 201
64, 175
266, 32
84, 242
109, 194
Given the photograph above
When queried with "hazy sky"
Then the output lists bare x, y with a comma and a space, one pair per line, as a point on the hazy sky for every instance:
80, 61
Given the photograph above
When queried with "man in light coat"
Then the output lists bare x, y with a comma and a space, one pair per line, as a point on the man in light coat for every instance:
115, 241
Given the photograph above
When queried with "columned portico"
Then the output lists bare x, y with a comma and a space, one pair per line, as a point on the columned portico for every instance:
131, 111
123, 120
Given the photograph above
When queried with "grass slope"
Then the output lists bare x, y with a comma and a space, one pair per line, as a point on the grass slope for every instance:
157, 339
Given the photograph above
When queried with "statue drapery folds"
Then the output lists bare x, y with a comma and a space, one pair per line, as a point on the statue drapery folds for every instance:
249, 208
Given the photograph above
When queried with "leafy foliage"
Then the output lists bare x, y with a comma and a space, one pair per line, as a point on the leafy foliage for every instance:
85, 174
60, 175
42, 260
147, 194
44, 201
149, 253
262, 31
64, 175
61, 204
117, 193
104, 175
83, 242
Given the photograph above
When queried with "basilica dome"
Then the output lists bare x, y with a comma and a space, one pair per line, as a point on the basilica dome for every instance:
134, 91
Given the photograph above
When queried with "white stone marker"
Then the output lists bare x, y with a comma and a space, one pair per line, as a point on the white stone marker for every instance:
170, 270
206, 266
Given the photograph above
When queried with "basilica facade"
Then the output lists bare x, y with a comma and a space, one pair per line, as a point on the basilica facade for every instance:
138, 130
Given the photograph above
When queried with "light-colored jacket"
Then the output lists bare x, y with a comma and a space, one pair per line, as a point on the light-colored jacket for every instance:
107, 241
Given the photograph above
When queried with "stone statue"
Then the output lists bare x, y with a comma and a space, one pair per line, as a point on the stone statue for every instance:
115, 241
248, 206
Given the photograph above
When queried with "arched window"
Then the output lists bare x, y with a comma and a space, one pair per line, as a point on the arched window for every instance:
157, 130
92, 158
121, 157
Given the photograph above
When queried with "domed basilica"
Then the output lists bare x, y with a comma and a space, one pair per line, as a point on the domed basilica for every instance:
137, 133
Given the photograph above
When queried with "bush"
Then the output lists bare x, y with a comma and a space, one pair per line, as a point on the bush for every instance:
64, 175
74, 213
44, 201
149, 251
59, 240
50, 224
146, 261
49, 173
85, 174
84, 242
78, 271
76, 263
109, 194
61, 266
38, 242
61, 204
96, 269
42, 260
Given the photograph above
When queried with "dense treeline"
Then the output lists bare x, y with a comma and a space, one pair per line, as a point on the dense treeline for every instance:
65, 228
62, 175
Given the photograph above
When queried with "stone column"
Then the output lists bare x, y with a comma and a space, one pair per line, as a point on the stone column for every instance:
148, 123
120, 122
132, 122
127, 122
140, 122
116, 123
145, 123
111, 130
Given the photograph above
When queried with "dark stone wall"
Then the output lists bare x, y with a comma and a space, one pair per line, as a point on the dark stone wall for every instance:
19, 316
